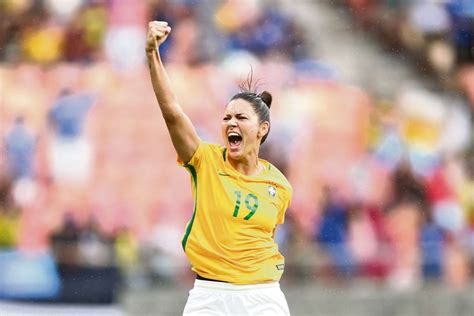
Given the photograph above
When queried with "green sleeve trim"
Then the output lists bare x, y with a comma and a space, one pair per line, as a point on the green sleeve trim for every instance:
190, 225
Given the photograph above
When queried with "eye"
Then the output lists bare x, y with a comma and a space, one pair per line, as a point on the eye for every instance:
226, 118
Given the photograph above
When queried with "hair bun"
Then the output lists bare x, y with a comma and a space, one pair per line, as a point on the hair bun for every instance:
266, 98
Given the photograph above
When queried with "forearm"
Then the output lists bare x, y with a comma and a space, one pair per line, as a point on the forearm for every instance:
182, 132
161, 85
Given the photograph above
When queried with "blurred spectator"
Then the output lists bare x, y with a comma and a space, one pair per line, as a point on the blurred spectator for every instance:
165, 258
95, 248
462, 13
432, 248
68, 113
127, 252
71, 153
405, 208
9, 215
407, 188
402, 222
86, 246
86, 263
63, 10
64, 242
446, 208
15, 17
389, 148
457, 130
302, 259
456, 263
429, 18
183, 50
20, 149
85, 33
332, 233
76, 30
435, 33
43, 44
465, 192
271, 33
366, 241
125, 37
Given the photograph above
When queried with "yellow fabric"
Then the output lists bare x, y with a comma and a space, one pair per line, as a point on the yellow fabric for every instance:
223, 240
44, 45
126, 249
9, 230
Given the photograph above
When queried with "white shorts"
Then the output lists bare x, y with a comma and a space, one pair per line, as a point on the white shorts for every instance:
71, 159
219, 298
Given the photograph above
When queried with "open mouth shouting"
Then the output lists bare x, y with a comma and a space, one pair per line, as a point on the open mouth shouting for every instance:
234, 139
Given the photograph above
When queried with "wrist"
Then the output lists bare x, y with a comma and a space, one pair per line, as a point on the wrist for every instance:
151, 51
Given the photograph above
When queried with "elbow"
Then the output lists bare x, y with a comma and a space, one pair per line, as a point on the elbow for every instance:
171, 111
172, 118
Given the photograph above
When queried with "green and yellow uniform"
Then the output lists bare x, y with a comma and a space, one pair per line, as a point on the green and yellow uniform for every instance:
230, 235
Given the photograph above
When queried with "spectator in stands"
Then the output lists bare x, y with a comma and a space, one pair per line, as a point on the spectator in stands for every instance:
462, 15
95, 248
64, 242
15, 17
332, 233
270, 33
407, 203
9, 215
446, 208
362, 239
20, 144
408, 188
125, 37
92, 20
126, 248
71, 153
432, 248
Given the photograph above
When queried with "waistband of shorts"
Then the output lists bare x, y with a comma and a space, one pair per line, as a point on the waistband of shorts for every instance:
213, 285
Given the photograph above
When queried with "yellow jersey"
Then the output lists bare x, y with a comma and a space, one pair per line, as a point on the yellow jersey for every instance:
230, 235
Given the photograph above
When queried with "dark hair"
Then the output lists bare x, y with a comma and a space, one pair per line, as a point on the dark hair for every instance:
261, 102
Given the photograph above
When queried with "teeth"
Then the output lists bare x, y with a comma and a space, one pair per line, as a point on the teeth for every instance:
233, 134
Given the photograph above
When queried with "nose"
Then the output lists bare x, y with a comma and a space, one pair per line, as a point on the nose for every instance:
232, 122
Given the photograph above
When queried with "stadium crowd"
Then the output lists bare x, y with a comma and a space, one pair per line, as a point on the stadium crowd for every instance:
384, 189
439, 34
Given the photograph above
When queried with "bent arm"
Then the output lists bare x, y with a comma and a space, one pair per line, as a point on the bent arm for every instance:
183, 135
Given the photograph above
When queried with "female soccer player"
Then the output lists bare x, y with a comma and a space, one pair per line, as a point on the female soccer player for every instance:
238, 201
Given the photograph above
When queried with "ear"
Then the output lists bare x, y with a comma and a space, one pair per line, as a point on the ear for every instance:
263, 129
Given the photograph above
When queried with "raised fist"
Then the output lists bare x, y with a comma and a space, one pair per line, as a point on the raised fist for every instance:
158, 31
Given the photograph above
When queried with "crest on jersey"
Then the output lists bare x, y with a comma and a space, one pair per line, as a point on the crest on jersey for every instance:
272, 190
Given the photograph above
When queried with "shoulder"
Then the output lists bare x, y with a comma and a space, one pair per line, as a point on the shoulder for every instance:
204, 154
213, 148
211, 151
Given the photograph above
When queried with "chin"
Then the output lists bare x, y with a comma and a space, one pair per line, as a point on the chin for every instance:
234, 155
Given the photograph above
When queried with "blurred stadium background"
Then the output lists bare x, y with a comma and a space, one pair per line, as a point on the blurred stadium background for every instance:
372, 123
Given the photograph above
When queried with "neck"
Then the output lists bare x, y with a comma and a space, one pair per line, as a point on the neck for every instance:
248, 165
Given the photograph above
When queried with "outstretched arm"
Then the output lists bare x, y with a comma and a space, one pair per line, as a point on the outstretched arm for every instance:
183, 135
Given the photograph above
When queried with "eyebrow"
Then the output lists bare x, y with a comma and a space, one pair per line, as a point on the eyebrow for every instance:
237, 114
